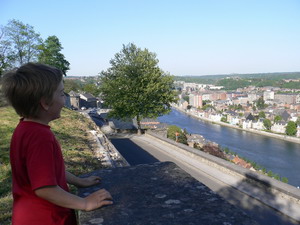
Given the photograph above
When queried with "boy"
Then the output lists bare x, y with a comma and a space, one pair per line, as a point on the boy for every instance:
40, 191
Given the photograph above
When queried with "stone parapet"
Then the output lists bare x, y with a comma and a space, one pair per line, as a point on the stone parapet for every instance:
284, 197
159, 193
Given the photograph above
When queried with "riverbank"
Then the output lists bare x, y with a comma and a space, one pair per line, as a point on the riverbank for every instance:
272, 135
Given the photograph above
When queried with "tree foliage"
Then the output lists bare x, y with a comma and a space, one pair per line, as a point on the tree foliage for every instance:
92, 89
224, 119
20, 44
261, 103
6, 53
24, 41
291, 85
261, 114
50, 53
72, 85
181, 135
277, 118
135, 87
233, 84
267, 124
291, 128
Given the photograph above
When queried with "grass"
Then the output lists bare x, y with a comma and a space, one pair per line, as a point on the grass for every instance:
71, 130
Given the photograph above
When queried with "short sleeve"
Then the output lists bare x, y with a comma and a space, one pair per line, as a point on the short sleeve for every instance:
40, 164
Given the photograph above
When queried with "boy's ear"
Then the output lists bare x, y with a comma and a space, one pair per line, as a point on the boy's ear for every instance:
44, 104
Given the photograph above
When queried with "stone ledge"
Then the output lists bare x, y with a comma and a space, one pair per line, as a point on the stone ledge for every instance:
159, 193
264, 181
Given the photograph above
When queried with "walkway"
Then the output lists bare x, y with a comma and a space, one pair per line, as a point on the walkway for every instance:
144, 149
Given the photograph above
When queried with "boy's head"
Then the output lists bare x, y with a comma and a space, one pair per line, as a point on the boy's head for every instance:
24, 87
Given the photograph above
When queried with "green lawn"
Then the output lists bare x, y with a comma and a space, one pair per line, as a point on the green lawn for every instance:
72, 131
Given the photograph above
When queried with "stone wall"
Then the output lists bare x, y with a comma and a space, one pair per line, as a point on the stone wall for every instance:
159, 194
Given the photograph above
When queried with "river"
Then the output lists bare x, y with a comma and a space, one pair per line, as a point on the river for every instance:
279, 156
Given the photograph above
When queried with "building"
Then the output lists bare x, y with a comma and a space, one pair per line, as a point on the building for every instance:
195, 100
67, 100
74, 100
258, 125
287, 98
86, 100
279, 127
247, 124
252, 97
268, 95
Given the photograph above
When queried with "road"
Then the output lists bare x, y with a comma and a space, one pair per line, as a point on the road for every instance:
143, 150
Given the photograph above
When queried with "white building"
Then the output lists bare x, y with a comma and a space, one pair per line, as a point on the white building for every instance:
258, 125
268, 95
215, 117
247, 124
279, 127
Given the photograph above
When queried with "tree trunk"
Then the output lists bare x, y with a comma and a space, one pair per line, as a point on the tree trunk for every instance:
138, 120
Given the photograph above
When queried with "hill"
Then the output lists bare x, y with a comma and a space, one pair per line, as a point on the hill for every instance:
234, 81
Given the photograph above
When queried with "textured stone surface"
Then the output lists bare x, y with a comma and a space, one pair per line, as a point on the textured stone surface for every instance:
159, 194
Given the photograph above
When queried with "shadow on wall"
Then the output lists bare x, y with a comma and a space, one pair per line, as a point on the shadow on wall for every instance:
261, 213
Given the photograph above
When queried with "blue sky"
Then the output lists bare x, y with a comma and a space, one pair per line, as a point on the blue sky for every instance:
189, 37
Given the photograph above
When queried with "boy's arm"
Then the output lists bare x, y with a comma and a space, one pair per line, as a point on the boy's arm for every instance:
81, 182
60, 197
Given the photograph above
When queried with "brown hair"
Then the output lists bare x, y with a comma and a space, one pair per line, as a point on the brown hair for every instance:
24, 87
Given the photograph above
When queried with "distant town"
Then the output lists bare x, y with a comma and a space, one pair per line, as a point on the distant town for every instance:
271, 109
268, 108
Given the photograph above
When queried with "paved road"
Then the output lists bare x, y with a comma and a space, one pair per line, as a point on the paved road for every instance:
142, 150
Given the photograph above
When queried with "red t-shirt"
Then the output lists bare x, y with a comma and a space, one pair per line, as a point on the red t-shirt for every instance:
36, 161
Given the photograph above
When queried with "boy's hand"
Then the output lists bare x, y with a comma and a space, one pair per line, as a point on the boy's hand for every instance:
89, 181
98, 199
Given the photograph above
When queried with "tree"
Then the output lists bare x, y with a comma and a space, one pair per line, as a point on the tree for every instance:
291, 128
277, 118
261, 114
186, 98
260, 103
71, 85
224, 119
6, 55
92, 89
24, 40
267, 124
50, 53
135, 87
176, 134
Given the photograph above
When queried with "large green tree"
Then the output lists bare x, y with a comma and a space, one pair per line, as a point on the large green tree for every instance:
267, 124
50, 53
261, 103
291, 128
135, 87
24, 41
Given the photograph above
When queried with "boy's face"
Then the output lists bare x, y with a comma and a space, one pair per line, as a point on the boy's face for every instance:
57, 103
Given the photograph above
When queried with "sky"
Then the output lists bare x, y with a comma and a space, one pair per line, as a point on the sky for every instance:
189, 37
